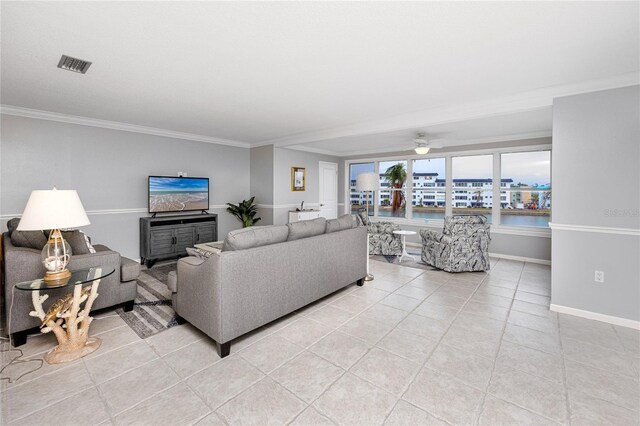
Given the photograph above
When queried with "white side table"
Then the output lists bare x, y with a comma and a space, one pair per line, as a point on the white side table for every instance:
404, 244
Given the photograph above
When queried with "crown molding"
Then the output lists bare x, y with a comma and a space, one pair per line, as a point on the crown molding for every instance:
314, 150
114, 125
459, 142
522, 102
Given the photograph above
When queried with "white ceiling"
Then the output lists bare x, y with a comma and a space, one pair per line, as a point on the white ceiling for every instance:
299, 73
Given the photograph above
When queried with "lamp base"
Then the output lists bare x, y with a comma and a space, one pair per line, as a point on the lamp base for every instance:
369, 277
58, 277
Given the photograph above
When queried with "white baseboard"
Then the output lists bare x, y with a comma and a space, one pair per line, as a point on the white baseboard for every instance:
623, 322
520, 258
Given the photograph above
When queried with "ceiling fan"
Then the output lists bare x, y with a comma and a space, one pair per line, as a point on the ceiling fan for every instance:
423, 144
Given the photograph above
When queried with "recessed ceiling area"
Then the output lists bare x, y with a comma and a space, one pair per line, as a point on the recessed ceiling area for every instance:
293, 73
517, 126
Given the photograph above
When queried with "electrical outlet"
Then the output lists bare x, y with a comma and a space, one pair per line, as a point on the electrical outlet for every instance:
599, 276
182, 174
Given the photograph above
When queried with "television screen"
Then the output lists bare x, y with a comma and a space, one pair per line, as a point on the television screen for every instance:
178, 194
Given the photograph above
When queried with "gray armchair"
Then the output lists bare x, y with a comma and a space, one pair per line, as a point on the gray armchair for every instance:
382, 240
462, 246
24, 264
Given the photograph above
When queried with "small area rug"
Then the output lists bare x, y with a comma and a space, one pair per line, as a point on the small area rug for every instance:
152, 311
415, 263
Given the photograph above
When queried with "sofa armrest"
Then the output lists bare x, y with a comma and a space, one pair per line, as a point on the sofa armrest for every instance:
198, 293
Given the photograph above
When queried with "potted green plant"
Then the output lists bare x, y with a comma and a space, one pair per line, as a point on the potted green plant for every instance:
245, 211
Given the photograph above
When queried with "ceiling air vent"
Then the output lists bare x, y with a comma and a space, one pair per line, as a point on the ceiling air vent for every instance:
72, 64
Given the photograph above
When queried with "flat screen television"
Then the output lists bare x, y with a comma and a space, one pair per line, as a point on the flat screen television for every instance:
178, 194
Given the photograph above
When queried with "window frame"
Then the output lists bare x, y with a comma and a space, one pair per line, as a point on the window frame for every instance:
449, 189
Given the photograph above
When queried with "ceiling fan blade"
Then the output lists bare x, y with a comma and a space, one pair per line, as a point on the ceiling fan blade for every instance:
439, 143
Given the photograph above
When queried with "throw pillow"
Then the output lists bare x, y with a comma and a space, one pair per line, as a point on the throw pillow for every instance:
339, 224
76, 241
364, 217
255, 236
307, 228
199, 253
29, 239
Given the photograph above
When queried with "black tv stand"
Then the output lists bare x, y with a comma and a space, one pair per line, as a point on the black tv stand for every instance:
169, 236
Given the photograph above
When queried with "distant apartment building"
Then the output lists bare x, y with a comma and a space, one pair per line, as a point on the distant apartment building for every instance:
429, 191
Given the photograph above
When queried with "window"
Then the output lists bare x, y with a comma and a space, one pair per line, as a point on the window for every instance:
523, 197
429, 196
393, 178
472, 184
526, 201
359, 199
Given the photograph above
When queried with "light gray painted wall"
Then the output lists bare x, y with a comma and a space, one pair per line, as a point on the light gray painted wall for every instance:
506, 244
109, 169
284, 159
262, 182
596, 157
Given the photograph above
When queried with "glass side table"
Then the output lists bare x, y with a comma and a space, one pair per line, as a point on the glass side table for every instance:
66, 318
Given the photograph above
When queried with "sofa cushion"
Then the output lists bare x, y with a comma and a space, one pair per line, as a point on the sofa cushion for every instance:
339, 224
29, 239
255, 236
307, 228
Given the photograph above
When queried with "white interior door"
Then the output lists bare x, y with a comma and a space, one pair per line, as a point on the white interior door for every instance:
328, 189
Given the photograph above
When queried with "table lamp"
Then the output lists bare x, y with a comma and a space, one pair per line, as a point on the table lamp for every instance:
367, 182
54, 209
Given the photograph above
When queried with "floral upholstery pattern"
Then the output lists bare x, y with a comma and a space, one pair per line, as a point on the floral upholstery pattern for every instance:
382, 240
462, 246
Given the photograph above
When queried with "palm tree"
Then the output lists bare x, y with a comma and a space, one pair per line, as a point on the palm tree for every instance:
396, 176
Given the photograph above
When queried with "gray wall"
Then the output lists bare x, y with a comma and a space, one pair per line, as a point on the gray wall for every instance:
596, 176
109, 169
284, 198
532, 247
261, 185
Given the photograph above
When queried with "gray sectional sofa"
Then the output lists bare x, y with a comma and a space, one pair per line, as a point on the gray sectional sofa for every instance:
266, 272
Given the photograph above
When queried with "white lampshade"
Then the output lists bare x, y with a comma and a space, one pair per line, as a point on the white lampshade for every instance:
53, 209
367, 182
421, 150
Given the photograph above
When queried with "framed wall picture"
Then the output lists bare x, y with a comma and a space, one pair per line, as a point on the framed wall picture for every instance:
298, 178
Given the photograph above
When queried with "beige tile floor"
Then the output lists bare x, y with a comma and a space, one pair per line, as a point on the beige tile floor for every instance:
412, 347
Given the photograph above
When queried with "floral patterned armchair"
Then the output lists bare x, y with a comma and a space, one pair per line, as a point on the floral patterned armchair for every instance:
462, 246
382, 240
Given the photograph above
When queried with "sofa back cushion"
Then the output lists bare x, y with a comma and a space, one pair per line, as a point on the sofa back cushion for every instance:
255, 236
307, 228
339, 224
28, 239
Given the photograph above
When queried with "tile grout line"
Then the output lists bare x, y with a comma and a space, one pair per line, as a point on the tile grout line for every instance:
497, 353
430, 354
365, 354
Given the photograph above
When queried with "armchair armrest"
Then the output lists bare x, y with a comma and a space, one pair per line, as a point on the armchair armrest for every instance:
383, 228
433, 236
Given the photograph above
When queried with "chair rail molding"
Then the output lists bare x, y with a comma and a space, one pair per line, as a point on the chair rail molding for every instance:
597, 229
114, 211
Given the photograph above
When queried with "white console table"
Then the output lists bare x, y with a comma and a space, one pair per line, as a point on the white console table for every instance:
303, 215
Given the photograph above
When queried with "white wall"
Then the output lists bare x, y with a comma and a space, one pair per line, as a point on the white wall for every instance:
109, 169
596, 184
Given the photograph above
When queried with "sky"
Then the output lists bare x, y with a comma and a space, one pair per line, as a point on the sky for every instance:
178, 184
526, 167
